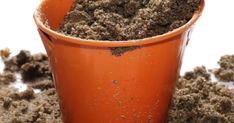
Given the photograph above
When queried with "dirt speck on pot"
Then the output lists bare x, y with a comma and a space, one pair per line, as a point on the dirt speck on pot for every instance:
118, 51
196, 100
115, 82
123, 116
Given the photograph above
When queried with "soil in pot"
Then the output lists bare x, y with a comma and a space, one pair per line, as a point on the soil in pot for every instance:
123, 20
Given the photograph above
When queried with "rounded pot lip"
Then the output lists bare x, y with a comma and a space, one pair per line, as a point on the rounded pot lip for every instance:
100, 43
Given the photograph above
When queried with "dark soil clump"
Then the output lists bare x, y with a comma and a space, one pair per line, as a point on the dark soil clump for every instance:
196, 100
122, 20
7, 77
31, 67
43, 85
27, 95
226, 70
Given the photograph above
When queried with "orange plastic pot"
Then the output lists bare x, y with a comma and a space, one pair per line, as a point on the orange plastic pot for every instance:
95, 86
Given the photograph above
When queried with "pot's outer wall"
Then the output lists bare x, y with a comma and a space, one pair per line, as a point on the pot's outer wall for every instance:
95, 86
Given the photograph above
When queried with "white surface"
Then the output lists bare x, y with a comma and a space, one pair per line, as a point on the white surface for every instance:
19, 84
212, 36
17, 27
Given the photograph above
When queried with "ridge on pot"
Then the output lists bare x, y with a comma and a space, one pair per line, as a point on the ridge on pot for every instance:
95, 86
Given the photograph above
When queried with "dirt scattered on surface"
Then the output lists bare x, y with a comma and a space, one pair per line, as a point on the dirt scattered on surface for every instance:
31, 67
226, 71
122, 20
7, 77
14, 64
28, 106
43, 85
28, 94
196, 100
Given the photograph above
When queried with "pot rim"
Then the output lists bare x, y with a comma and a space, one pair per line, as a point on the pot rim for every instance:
102, 43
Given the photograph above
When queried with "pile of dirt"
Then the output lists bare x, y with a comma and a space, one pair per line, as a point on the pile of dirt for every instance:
122, 20
31, 67
199, 100
196, 100
28, 106
226, 71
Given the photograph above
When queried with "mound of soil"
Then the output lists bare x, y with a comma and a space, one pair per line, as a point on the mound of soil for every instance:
122, 20
226, 71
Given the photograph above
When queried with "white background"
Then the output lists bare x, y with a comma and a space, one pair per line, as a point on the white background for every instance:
212, 37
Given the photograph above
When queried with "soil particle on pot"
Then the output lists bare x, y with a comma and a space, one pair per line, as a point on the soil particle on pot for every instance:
122, 20
118, 51
115, 82
226, 70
